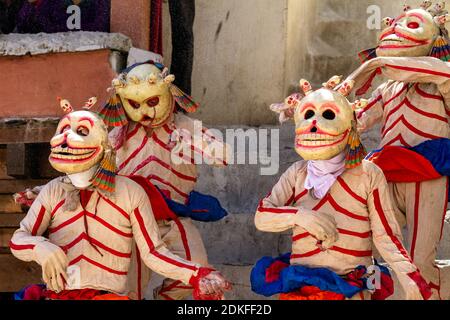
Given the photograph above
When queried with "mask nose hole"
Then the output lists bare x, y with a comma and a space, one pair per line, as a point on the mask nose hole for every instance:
314, 129
64, 145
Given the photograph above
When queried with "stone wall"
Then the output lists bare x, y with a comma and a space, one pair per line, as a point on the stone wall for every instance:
249, 54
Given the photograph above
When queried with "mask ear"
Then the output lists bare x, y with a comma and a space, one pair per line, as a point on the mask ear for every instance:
184, 101
113, 113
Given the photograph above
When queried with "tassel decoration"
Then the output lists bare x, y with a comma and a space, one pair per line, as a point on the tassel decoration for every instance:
441, 49
105, 177
367, 55
113, 113
183, 100
355, 151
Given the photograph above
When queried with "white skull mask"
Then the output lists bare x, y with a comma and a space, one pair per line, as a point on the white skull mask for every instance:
79, 142
323, 121
412, 34
146, 95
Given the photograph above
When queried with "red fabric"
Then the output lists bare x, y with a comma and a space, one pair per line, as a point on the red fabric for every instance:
273, 272
157, 201
23, 200
424, 288
156, 27
195, 282
311, 293
83, 294
386, 289
402, 165
34, 292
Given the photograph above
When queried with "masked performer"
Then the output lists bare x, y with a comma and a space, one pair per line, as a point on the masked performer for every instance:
337, 206
413, 109
157, 143
81, 227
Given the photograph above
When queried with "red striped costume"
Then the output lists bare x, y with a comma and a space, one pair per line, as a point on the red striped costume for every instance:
152, 155
413, 107
98, 236
359, 202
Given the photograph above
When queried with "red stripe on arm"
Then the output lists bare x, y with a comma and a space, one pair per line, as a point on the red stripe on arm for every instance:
19, 247
387, 227
369, 106
38, 222
151, 246
415, 276
420, 70
59, 205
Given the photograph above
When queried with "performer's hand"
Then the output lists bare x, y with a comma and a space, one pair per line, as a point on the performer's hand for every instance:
213, 286
54, 264
320, 225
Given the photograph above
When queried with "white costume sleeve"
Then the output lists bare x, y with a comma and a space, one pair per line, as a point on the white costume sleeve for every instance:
403, 69
275, 213
387, 236
153, 251
32, 227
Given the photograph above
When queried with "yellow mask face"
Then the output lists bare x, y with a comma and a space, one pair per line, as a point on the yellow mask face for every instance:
323, 120
79, 142
412, 34
146, 96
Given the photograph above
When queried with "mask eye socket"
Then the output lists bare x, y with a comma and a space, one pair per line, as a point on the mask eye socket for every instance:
65, 128
329, 114
309, 114
413, 25
134, 104
153, 102
82, 131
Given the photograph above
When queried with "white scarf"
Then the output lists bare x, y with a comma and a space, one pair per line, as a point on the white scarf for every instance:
322, 174
82, 180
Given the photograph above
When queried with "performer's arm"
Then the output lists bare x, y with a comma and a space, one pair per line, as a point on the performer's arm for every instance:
387, 238
372, 113
154, 253
28, 244
275, 213
32, 227
206, 144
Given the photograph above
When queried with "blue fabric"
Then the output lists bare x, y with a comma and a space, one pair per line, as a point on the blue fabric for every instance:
200, 207
20, 295
295, 277
437, 152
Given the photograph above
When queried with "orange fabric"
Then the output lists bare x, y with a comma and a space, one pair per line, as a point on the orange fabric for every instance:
110, 296
311, 293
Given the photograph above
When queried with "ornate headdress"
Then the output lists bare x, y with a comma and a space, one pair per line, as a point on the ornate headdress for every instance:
113, 112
